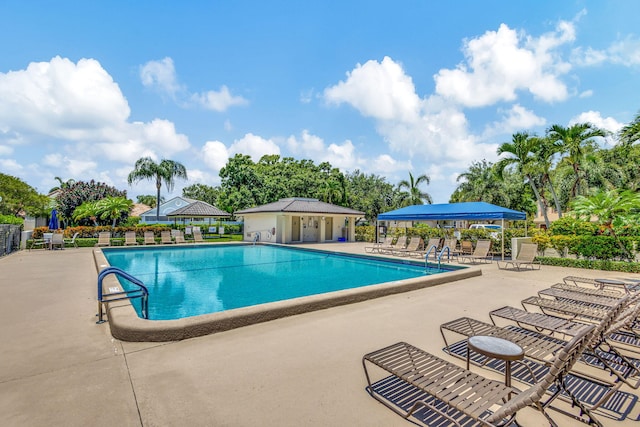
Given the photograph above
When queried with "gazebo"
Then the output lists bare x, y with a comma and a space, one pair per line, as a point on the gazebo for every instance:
476, 211
199, 210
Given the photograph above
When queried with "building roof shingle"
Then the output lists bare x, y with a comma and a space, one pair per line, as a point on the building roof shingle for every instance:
301, 205
199, 209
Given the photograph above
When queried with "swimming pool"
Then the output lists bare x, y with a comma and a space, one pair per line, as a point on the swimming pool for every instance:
153, 262
191, 281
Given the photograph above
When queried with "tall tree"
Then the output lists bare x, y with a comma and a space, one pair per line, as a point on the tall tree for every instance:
149, 200
630, 133
203, 192
16, 197
416, 195
576, 141
371, 194
521, 157
544, 150
68, 199
166, 171
480, 183
63, 184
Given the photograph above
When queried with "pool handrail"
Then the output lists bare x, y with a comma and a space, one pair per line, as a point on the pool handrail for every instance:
426, 256
142, 292
442, 252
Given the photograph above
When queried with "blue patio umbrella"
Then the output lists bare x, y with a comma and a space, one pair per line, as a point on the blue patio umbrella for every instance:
53, 222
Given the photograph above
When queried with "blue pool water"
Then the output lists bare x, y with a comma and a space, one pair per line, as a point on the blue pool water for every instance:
190, 281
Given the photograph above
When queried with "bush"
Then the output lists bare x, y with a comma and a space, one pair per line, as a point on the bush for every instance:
541, 238
569, 225
606, 265
10, 219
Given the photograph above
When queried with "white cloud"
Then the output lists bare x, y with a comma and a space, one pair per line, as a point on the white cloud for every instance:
61, 99
385, 164
624, 52
586, 94
307, 96
595, 117
310, 146
10, 166
215, 154
72, 167
5, 150
77, 111
430, 131
254, 146
514, 119
378, 89
160, 75
218, 101
203, 177
500, 63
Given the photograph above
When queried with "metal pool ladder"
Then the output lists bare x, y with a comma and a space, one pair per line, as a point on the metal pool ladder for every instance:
442, 252
435, 251
142, 292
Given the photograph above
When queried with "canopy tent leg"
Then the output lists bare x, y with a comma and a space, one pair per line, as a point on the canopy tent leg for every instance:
503, 242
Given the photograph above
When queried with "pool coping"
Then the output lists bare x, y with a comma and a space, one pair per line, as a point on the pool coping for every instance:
127, 326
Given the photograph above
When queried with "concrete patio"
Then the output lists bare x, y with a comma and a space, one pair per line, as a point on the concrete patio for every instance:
60, 368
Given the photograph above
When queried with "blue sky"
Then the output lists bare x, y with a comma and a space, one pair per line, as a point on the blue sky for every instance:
87, 88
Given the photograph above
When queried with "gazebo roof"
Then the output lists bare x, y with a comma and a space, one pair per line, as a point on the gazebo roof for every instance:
199, 209
301, 205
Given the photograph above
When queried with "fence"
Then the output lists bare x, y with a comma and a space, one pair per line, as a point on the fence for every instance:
9, 238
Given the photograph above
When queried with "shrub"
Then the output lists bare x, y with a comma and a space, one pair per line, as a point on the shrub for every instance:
606, 265
569, 225
10, 219
542, 239
598, 247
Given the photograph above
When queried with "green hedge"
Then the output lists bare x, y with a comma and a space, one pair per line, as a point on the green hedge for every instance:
607, 265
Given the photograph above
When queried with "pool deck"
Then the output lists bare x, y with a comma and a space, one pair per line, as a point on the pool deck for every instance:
60, 368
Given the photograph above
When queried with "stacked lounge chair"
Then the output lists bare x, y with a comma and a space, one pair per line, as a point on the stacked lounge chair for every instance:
579, 362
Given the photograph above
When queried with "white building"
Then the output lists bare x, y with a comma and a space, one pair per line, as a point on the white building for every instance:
298, 220
149, 217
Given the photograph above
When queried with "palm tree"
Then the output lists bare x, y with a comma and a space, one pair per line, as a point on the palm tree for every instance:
331, 191
150, 200
576, 142
166, 170
113, 208
521, 150
416, 196
610, 207
63, 184
87, 210
480, 184
544, 151
630, 133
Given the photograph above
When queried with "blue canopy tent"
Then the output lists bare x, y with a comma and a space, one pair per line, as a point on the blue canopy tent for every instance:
475, 211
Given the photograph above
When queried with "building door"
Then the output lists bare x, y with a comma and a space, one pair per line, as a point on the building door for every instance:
328, 229
295, 228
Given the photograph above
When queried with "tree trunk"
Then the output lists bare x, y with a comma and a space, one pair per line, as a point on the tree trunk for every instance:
540, 202
555, 198
158, 200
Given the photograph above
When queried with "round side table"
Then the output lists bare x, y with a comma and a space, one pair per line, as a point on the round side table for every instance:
496, 348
